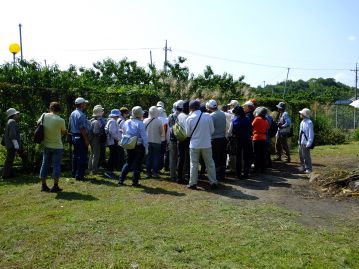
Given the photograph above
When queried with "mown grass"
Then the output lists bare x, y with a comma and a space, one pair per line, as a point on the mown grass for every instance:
95, 224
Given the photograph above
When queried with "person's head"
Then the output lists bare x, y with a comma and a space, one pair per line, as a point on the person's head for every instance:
233, 103
160, 104
12, 113
55, 107
153, 112
239, 112
194, 105
145, 114
225, 108
248, 107
185, 107
178, 106
281, 107
137, 112
304, 113
81, 103
262, 112
115, 114
211, 105
97, 111
254, 101
124, 112
162, 112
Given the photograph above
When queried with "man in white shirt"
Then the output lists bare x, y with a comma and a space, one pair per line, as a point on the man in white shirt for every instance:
305, 141
199, 128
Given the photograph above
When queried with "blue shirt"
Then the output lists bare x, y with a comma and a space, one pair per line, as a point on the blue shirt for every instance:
135, 127
78, 121
242, 128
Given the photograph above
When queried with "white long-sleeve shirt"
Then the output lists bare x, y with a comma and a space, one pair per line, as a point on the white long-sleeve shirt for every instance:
113, 132
202, 136
306, 132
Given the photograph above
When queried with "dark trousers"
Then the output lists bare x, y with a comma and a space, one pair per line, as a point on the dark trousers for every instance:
134, 163
183, 160
259, 155
219, 156
243, 157
113, 160
153, 158
9, 162
161, 164
79, 157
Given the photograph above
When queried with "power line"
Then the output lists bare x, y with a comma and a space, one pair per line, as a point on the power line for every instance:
260, 64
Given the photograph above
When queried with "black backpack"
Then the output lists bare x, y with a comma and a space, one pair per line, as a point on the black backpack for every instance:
273, 129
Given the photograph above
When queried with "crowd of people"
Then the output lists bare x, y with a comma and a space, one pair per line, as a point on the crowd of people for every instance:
197, 138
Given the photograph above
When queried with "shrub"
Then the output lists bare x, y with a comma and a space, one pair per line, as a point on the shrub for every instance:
325, 134
356, 135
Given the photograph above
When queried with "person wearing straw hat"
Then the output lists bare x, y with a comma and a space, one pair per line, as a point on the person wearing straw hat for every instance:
134, 127
305, 141
11, 141
97, 137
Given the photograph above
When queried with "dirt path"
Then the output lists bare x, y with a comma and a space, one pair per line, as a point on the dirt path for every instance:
284, 186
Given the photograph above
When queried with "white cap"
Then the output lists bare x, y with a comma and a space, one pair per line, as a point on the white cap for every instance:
211, 104
248, 103
160, 104
137, 112
233, 103
179, 104
305, 112
80, 100
11, 112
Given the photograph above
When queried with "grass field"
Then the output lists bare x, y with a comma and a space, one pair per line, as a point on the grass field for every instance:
95, 224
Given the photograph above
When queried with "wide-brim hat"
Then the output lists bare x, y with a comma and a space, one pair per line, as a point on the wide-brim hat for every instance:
281, 105
137, 112
11, 112
115, 113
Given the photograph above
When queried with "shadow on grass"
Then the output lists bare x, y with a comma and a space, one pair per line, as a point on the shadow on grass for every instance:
19, 180
75, 196
157, 190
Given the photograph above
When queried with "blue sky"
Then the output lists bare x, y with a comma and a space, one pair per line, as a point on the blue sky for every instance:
305, 34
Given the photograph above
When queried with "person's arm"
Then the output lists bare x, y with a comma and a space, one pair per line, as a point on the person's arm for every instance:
83, 130
12, 133
287, 120
63, 128
144, 136
310, 134
188, 126
211, 126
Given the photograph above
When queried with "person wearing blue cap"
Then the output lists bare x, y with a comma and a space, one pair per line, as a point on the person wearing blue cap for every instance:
113, 137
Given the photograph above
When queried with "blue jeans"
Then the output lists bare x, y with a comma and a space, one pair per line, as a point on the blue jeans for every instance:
54, 157
153, 158
134, 163
79, 156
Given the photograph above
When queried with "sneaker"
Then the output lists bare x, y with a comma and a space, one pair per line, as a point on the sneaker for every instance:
136, 185
301, 169
192, 187
55, 188
120, 183
214, 186
109, 175
277, 159
45, 188
307, 171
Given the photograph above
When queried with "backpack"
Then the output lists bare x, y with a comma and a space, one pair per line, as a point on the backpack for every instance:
179, 131
102, 134
273, 128
171, 122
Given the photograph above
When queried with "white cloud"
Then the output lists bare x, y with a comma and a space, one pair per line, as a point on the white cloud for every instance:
352, 38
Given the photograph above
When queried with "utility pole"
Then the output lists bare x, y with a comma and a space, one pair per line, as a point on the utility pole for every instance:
165, 63
151, 57
356, 80
285, 85
20, 41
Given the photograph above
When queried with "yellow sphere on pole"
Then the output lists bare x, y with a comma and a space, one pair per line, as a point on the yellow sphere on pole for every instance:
14, 48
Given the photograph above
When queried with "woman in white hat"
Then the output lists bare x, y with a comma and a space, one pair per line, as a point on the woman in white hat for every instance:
135, 127
97, 137
305, 141
11, 141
